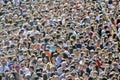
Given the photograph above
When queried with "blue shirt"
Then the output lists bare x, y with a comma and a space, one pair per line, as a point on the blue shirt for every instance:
58, 61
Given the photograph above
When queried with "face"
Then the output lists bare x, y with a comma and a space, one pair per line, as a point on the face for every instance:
85, 76
39, 62
45, 60
61, 55
34, 28
31, 70
53, 60
14, 64
63, 65
95, 75
56, 78
107, 70
22, 66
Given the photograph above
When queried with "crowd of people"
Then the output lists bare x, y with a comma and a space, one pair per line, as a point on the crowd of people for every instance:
59, 40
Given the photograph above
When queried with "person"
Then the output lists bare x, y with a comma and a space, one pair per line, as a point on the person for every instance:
59, 39
32, 72
16, 2
3, 66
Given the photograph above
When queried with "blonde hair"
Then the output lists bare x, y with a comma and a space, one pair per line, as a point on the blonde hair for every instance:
77, 79
81, 78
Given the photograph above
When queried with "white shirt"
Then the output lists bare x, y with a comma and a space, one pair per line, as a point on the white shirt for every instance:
98, 17
25, 70
32, 33
17, 3
3, 69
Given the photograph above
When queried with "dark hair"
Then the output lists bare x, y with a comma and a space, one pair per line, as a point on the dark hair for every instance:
103, 79
91, 78
32, 67
45, 77
39, 74
69, 78
46, 58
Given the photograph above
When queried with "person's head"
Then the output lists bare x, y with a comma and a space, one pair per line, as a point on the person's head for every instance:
22, 65
3, 61
68, 77
14, 63
86, 75
73, 74
114, 78
52, 69
107, 69
115, 65
55, 77
88, 29
33, 56
95, 74
34, 28
46, 59
45, 76
40, 61
76, 51
63, 64
92, 52
81, 78
53, 59
48, 67
31, 68
111, 75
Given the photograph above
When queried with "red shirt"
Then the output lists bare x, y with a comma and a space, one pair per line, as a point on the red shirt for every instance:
91, 34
